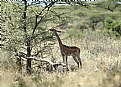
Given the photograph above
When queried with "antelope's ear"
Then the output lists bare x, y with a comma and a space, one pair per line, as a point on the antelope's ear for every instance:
58, 31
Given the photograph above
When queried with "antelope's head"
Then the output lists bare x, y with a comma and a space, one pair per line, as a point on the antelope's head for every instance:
53, 30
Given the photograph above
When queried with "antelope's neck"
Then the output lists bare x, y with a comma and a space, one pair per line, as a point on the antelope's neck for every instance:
59, 40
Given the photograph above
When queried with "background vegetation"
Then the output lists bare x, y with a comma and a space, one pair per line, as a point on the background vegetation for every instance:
95, 29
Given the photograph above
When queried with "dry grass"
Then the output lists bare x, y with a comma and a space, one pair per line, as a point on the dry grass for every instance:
101, 58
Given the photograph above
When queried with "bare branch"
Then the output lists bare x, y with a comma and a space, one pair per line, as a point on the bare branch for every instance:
38, 15
21, 54
44, 60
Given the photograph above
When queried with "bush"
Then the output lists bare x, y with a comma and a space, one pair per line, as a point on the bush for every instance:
112, 26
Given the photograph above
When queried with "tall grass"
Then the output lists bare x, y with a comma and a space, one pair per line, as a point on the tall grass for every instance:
101, 58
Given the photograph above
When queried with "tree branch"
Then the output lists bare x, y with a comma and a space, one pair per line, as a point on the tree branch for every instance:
38, 15
46, 60
21, 54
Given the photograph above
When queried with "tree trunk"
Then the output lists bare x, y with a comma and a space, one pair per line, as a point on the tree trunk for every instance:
28, 66
27, 40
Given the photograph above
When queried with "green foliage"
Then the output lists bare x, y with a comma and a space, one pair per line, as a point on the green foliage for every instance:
73, 33
94, 20
113, 26
15, 36
108, 22
11, 25
103, 4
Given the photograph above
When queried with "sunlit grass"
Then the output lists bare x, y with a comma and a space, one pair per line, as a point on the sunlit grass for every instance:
101, 58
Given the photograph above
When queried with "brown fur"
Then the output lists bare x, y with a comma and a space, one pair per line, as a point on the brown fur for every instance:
68, 51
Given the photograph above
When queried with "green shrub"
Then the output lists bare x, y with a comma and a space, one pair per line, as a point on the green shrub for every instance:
112, 26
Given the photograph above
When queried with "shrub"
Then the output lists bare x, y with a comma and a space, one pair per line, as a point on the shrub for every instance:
112, 26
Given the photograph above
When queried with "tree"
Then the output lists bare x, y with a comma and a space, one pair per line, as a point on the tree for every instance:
25, 28
21, 32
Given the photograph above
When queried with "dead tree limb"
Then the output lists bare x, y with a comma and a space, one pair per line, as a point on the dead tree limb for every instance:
52, 66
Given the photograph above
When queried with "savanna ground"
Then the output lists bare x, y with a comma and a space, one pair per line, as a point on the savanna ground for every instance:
100, 54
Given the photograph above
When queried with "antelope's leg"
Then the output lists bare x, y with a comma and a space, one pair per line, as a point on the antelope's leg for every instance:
67, 63
79, 59
63, 58
76, 60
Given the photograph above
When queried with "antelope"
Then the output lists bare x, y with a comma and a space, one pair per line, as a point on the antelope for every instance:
68, 51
